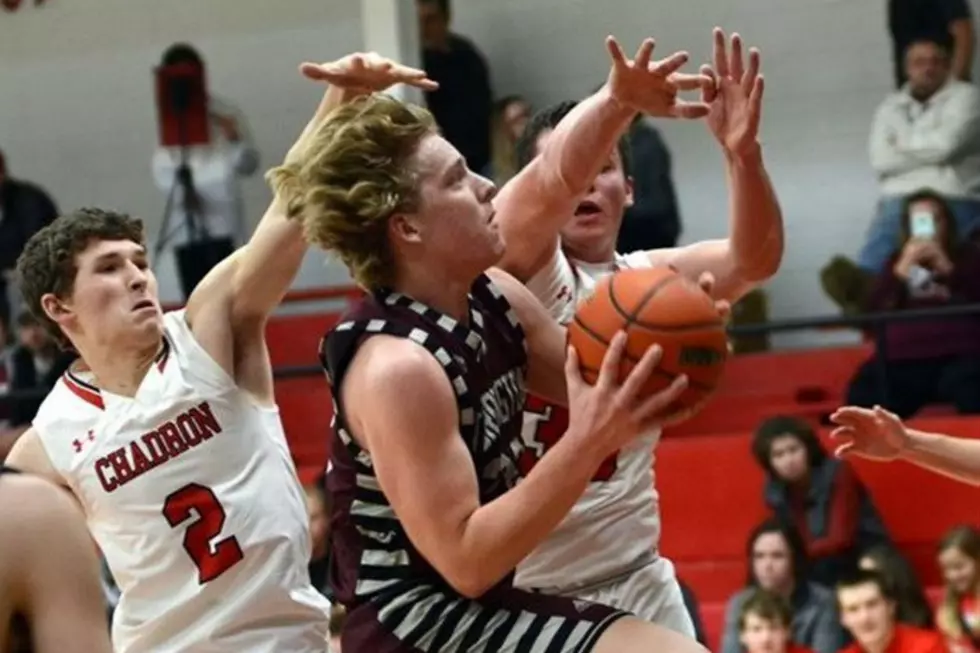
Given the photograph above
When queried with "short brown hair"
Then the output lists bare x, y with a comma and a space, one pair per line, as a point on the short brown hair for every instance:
352, 176
766, 605
49, 263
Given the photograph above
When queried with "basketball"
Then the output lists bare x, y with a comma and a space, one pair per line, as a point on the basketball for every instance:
654, 306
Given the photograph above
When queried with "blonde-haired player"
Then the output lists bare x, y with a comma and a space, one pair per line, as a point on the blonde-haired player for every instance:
167, 431
606, 550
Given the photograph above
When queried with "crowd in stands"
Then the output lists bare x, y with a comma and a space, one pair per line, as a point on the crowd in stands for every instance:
823, 574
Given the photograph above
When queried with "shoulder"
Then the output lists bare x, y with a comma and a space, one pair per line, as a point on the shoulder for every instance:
738, 598
36, 505
962, 92
819, 593
391, 366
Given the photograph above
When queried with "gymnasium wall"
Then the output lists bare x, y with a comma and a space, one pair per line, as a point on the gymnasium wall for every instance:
76, 111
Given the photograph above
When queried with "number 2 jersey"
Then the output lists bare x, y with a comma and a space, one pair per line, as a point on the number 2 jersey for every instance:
615, 526
190, 491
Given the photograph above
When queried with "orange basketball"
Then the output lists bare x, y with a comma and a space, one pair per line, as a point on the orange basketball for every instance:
654, 306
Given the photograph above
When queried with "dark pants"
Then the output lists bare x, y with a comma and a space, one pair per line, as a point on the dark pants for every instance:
913, 384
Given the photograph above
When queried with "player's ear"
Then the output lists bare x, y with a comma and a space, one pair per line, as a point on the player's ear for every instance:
629, 192
55, 308
405, 227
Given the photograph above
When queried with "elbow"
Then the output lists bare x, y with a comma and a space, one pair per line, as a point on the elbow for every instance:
469, 581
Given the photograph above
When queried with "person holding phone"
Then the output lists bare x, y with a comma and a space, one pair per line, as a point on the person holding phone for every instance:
934, 360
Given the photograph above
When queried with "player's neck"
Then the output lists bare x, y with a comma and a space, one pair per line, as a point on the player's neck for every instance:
437, 290
593, 254
121, 372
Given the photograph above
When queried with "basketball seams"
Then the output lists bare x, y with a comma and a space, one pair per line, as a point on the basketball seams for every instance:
654, 289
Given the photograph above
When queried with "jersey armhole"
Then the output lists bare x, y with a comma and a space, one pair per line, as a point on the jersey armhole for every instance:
200, 364
555, 284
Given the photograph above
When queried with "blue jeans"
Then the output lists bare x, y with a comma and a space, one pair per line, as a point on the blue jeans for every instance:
884, 235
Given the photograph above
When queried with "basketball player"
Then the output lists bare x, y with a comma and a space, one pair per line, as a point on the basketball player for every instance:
561, 244
428, 376
878, 434
167, 431
50, 596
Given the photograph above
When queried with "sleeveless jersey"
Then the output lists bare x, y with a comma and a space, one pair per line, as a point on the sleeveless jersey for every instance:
191, 494
615, 525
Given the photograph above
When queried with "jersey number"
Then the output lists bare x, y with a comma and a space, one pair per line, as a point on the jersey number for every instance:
550, 423
211, 561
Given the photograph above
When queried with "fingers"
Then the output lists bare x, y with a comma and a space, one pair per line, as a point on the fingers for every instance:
887, 419
748, 79
847, 415
736, 66
719, 55
706, 282
642, 60
669, 66
724, 308
844, 449
609, 373
708, 93
615, 51
658, 403
689, 110
639, 374
687, 82
755, 104
573, 373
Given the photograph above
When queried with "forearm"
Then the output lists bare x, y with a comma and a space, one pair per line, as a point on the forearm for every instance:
534, 206
500, 534
756, 232
962, 58
957, 458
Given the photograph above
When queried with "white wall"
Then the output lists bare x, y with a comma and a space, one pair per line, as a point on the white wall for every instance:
77, 113
76, 100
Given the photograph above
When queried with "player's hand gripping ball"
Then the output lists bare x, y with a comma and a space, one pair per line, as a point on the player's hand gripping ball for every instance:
654, 306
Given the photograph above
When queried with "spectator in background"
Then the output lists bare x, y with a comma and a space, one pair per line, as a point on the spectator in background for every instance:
958, 616
653, 221
24, 210
213, 196
926, 135
510, 115
867, 610
947, 21
463, 102
910, 600
36, 364
927, 360
778, 564
764, 624
821, 496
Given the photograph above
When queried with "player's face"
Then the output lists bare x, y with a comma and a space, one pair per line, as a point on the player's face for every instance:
114, 301
867, 614
590, 233
772, 563
787, 455
959, 570
761, 635
453, 228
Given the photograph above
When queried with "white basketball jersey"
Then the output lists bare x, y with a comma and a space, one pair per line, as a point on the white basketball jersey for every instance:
190, 491
615, 525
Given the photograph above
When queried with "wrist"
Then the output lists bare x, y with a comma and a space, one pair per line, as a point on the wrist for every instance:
587, 445
746, 157
916, 443
614, 105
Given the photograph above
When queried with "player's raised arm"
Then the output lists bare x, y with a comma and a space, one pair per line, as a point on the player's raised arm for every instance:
427, 473
879, 435
241, 292
754, 248
49, 568
533, 206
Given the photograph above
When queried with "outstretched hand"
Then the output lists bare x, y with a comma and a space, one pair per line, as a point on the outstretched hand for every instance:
367, 72
735, 96
652, 86
870, 433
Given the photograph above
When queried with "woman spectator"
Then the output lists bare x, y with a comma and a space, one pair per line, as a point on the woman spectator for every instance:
958, 616
821, 496
510, 115
912, 607
778, 564
935, 360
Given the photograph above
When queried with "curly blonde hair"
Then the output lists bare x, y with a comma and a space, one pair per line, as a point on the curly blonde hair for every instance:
350, 176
